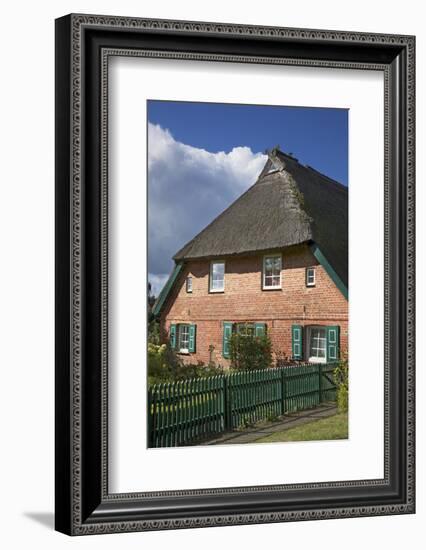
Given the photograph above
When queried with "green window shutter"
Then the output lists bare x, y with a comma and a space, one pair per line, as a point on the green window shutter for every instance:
192, 338
173, 336
260, 329
227, 333
297, 341
333, 343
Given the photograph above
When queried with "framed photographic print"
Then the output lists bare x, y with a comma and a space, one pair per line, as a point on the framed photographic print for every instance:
234, 274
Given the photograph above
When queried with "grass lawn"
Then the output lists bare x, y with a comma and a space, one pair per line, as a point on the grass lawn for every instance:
332, 427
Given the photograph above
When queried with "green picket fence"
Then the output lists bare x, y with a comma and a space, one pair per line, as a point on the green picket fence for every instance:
186, 411
191, 411
253, 396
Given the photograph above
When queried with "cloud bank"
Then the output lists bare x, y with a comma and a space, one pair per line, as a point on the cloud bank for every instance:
187, 189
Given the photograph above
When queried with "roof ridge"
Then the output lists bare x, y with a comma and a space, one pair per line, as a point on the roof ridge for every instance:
339, 185
277, 151
288, 156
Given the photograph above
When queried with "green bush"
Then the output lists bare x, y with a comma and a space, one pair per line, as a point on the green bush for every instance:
197, 370
158, 368
164, 365
154, 332
249, 352
341, 379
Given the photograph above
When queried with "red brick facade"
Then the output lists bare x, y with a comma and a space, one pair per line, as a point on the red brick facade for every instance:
244, 300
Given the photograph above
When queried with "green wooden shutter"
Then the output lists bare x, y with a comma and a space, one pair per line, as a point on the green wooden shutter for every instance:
173, 336
260, 329
333, 343
192, 338
227, 333
297, 341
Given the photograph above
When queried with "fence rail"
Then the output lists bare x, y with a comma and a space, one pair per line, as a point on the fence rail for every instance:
190, 411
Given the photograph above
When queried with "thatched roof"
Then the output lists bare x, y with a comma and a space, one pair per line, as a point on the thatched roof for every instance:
288, 205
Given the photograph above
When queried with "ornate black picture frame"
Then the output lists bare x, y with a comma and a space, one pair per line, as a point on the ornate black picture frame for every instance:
83, 45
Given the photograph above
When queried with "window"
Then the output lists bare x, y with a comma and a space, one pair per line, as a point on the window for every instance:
317, 341
316, 344
189, 284
310, 276
217, 276
272, 266
184, 338
271, 170
244, 329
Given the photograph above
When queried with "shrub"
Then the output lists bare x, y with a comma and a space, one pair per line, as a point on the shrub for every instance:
341, 379
197, 370
154, 332
249, 352
158, 368
164, 365
283, 360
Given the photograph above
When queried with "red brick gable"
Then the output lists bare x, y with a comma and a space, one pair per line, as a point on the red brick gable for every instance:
245, 300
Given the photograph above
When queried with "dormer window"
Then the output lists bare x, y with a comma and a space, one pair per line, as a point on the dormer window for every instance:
272, 266
217, 277
271, 170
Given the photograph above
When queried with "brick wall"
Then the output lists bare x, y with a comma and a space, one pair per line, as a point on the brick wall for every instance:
244, 300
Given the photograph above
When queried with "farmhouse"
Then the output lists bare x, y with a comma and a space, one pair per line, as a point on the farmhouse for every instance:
275, 261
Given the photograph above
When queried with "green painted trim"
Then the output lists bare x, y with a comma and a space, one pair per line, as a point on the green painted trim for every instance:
297, 343
166, 289
192, 338
227, 333
330, 271
260, 329
172, 336
333, 348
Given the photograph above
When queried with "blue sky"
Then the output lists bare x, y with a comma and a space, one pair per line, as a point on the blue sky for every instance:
203, 156
316, 136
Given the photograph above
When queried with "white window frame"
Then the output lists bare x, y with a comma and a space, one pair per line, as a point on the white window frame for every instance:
236, 327
182, 326
216, 290
308, 269
189, 286
308, 344
270, 287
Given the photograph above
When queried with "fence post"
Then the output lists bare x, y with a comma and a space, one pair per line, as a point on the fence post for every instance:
226, 415
283, 391
320, 392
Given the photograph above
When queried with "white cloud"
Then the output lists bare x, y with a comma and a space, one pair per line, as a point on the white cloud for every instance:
157, 282
187, 189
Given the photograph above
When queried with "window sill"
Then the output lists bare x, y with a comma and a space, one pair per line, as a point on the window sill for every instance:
271, 288
183, 352
216, 291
